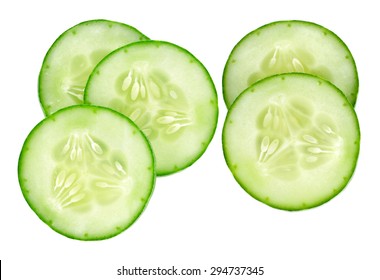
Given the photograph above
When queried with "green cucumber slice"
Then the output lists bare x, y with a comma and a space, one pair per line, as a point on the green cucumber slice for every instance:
290, 46
292, 141
87, 172
73, 56
167, 92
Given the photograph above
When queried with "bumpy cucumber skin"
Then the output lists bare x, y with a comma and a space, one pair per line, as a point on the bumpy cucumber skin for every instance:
258, 30
207, 75
57, 41
281, 207
25, 191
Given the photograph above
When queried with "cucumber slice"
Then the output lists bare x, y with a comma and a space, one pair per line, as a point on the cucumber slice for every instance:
167, 92
72, 57
292, 141
290, 46
87, 172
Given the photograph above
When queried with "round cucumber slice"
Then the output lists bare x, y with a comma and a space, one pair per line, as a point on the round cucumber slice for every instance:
292, 141
73, 56
167, 92
87, 172
290, 46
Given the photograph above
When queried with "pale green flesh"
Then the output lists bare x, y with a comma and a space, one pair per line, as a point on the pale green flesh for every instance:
292, 141
73, 56
290, 46
166, 92
87, 172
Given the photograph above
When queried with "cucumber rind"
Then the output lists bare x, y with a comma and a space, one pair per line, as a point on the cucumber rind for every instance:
25, 191
350, 57
41, 93
355, 153
176, 168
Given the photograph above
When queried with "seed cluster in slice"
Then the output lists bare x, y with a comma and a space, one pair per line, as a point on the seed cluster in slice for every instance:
166, 91
291, 136
290, 46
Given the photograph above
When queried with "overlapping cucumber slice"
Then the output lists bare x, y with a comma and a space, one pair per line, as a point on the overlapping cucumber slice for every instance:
87, 172
167, 92
73, 56
290, 46
292, 140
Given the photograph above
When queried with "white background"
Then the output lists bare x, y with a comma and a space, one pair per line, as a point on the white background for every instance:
199, 217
